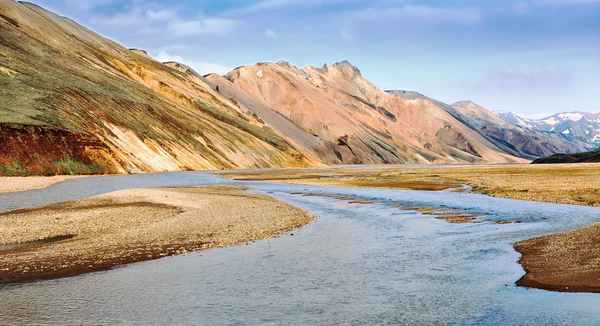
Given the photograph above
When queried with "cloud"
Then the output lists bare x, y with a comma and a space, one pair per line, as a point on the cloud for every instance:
567, 2
346, 35
145, 20
525, 8
421, 14
215, 26
270, 34
86, 5
540, 78
200, 67
266, 5
521, 9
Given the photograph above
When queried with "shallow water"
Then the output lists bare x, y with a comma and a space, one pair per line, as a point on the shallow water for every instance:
356, 264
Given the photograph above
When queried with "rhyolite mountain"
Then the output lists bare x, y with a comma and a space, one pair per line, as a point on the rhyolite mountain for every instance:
581, 125
357, 121
72, 101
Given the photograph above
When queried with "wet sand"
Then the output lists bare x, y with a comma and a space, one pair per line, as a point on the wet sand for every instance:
568, 262
129, 226
15, 184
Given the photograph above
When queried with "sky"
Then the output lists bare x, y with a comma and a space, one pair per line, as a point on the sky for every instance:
531, 57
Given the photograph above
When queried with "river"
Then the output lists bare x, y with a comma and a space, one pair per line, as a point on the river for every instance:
358, 263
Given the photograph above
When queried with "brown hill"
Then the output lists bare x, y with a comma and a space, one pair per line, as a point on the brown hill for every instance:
72, 101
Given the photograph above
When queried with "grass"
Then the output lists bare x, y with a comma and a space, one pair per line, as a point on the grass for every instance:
73, 167
577, 184
15, 169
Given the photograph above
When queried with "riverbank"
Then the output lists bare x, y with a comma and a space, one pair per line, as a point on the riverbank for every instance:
16, 184
562, 262
576, 184
129, 226
565, 262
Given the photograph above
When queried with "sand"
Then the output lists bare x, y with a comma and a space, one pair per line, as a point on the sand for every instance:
15, 184
135, 225
568, 262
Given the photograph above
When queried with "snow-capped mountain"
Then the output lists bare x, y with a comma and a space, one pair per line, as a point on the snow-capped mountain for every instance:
582, 125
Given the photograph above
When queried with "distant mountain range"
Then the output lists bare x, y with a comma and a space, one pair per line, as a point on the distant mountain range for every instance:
506, 135
72, 101
581, 125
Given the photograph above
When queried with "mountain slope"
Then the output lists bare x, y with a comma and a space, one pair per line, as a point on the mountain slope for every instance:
356, 121
582, 125
100, 107
587, 157
508, 137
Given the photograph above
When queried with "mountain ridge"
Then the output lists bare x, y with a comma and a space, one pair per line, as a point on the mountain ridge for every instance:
81, 103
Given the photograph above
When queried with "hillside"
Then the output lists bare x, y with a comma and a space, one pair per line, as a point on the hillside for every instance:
72, 101
587, 157
357, 122
510, 138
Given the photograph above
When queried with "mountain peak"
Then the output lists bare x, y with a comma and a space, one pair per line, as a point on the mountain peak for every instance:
344, 66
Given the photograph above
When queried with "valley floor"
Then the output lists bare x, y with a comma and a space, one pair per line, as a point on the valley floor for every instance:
576, 184
563, 262
128, 226
134, 225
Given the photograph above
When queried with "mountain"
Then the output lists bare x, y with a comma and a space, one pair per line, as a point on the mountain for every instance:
504, 135
587, 157
581, 125
72, 101
353, 120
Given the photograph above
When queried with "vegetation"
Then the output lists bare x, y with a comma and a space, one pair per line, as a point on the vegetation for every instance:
74, 167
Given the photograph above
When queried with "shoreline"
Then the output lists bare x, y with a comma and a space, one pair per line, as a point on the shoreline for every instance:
123, 227
20, 184
573, 184
564, 262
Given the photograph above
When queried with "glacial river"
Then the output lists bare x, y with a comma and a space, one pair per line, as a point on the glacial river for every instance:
357, 264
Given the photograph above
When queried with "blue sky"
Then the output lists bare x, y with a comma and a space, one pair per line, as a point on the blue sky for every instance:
532, 57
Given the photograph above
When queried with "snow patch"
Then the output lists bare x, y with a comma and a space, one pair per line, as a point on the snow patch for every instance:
566, 132
571, 116
551, 121
259, 73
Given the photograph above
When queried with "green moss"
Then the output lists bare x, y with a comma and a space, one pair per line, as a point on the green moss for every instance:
74, 167
15, 169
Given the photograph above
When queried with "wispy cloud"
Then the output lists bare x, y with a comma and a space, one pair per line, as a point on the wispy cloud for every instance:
145, 20
539, 78
421, 14
346, 35
200, 67
526, 7
87, 5
267, 5
270, 34
567, 2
